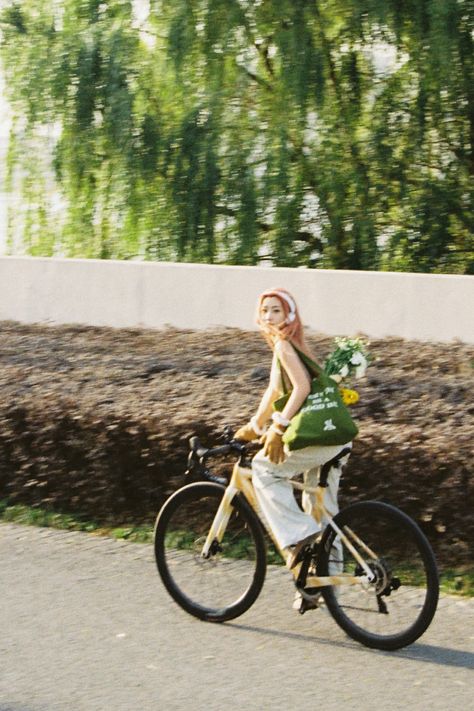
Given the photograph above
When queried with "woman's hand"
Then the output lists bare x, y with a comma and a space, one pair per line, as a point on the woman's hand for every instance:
273, 446
246, 433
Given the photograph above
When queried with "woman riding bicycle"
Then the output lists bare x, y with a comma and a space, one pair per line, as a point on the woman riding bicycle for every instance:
274, 465
374, 568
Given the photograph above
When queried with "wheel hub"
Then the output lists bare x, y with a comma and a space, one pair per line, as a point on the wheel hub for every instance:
383, 582
210, 558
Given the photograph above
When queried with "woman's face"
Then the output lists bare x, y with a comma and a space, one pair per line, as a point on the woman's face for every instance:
271, 311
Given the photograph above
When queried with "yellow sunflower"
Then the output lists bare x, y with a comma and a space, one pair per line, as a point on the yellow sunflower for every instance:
349, 397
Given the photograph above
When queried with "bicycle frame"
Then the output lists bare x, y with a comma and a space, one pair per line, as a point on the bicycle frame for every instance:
241, 482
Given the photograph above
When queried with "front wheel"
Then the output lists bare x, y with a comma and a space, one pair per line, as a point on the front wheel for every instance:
224, 584
397, 607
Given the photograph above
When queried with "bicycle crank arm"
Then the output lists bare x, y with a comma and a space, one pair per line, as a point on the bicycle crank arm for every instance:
315, 581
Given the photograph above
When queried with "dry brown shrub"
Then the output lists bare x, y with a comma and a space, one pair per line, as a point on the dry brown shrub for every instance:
95, 421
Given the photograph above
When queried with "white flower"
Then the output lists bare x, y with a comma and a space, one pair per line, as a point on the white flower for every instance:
344, 371
357, 358
343, 343
360, 370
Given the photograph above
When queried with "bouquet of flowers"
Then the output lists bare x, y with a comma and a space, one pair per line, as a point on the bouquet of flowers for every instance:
349, 359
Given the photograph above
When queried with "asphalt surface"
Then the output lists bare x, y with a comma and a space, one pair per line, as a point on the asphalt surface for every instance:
87, 626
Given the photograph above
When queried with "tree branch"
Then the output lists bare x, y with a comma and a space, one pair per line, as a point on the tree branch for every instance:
256, 78
262, 49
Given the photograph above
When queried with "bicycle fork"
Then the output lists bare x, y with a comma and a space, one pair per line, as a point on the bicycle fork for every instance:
221, 519
239, 482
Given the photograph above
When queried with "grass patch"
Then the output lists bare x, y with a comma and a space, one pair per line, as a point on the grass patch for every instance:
239, 548
458, 581
32, 516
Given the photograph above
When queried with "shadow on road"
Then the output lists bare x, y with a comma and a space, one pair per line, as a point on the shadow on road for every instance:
438, 655
430, 653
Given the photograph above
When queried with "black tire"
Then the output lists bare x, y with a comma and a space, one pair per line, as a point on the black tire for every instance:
397, 608
227, 583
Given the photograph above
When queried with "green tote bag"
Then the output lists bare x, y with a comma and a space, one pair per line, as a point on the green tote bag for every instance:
323, 419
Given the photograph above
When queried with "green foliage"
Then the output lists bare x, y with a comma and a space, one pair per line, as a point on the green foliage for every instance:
48, 518
322, 133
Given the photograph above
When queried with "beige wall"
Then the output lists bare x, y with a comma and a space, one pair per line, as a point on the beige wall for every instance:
121, 294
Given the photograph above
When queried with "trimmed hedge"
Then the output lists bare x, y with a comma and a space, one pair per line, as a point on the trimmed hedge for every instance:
96, 421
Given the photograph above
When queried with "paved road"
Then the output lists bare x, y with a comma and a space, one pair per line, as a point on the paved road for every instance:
86, 626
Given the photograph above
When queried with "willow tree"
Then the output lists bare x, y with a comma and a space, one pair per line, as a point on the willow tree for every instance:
237, 130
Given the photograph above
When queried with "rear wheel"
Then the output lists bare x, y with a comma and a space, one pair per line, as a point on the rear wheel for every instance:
398, 605
227, 582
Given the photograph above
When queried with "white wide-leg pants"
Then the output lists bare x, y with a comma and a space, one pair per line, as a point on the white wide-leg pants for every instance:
275, 494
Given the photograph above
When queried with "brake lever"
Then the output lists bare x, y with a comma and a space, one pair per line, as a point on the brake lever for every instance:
228, 434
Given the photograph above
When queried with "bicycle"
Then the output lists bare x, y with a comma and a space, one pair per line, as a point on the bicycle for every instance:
211, 555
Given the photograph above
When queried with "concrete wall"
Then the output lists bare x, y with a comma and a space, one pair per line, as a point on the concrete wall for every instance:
122, 294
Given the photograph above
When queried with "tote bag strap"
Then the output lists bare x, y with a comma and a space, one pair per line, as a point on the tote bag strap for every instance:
314, 369
311, 365
282, 377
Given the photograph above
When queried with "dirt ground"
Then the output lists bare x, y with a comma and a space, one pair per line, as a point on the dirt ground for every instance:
96, 420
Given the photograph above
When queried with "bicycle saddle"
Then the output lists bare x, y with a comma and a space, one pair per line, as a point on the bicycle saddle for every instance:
335, 462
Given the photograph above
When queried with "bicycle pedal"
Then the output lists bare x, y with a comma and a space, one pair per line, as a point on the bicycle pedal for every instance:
308, 599
307, 605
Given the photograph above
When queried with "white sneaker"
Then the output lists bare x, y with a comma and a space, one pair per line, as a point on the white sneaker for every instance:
297, 600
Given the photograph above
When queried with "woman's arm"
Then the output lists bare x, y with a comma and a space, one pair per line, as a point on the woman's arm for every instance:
301, 384
272, 393
256, 427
